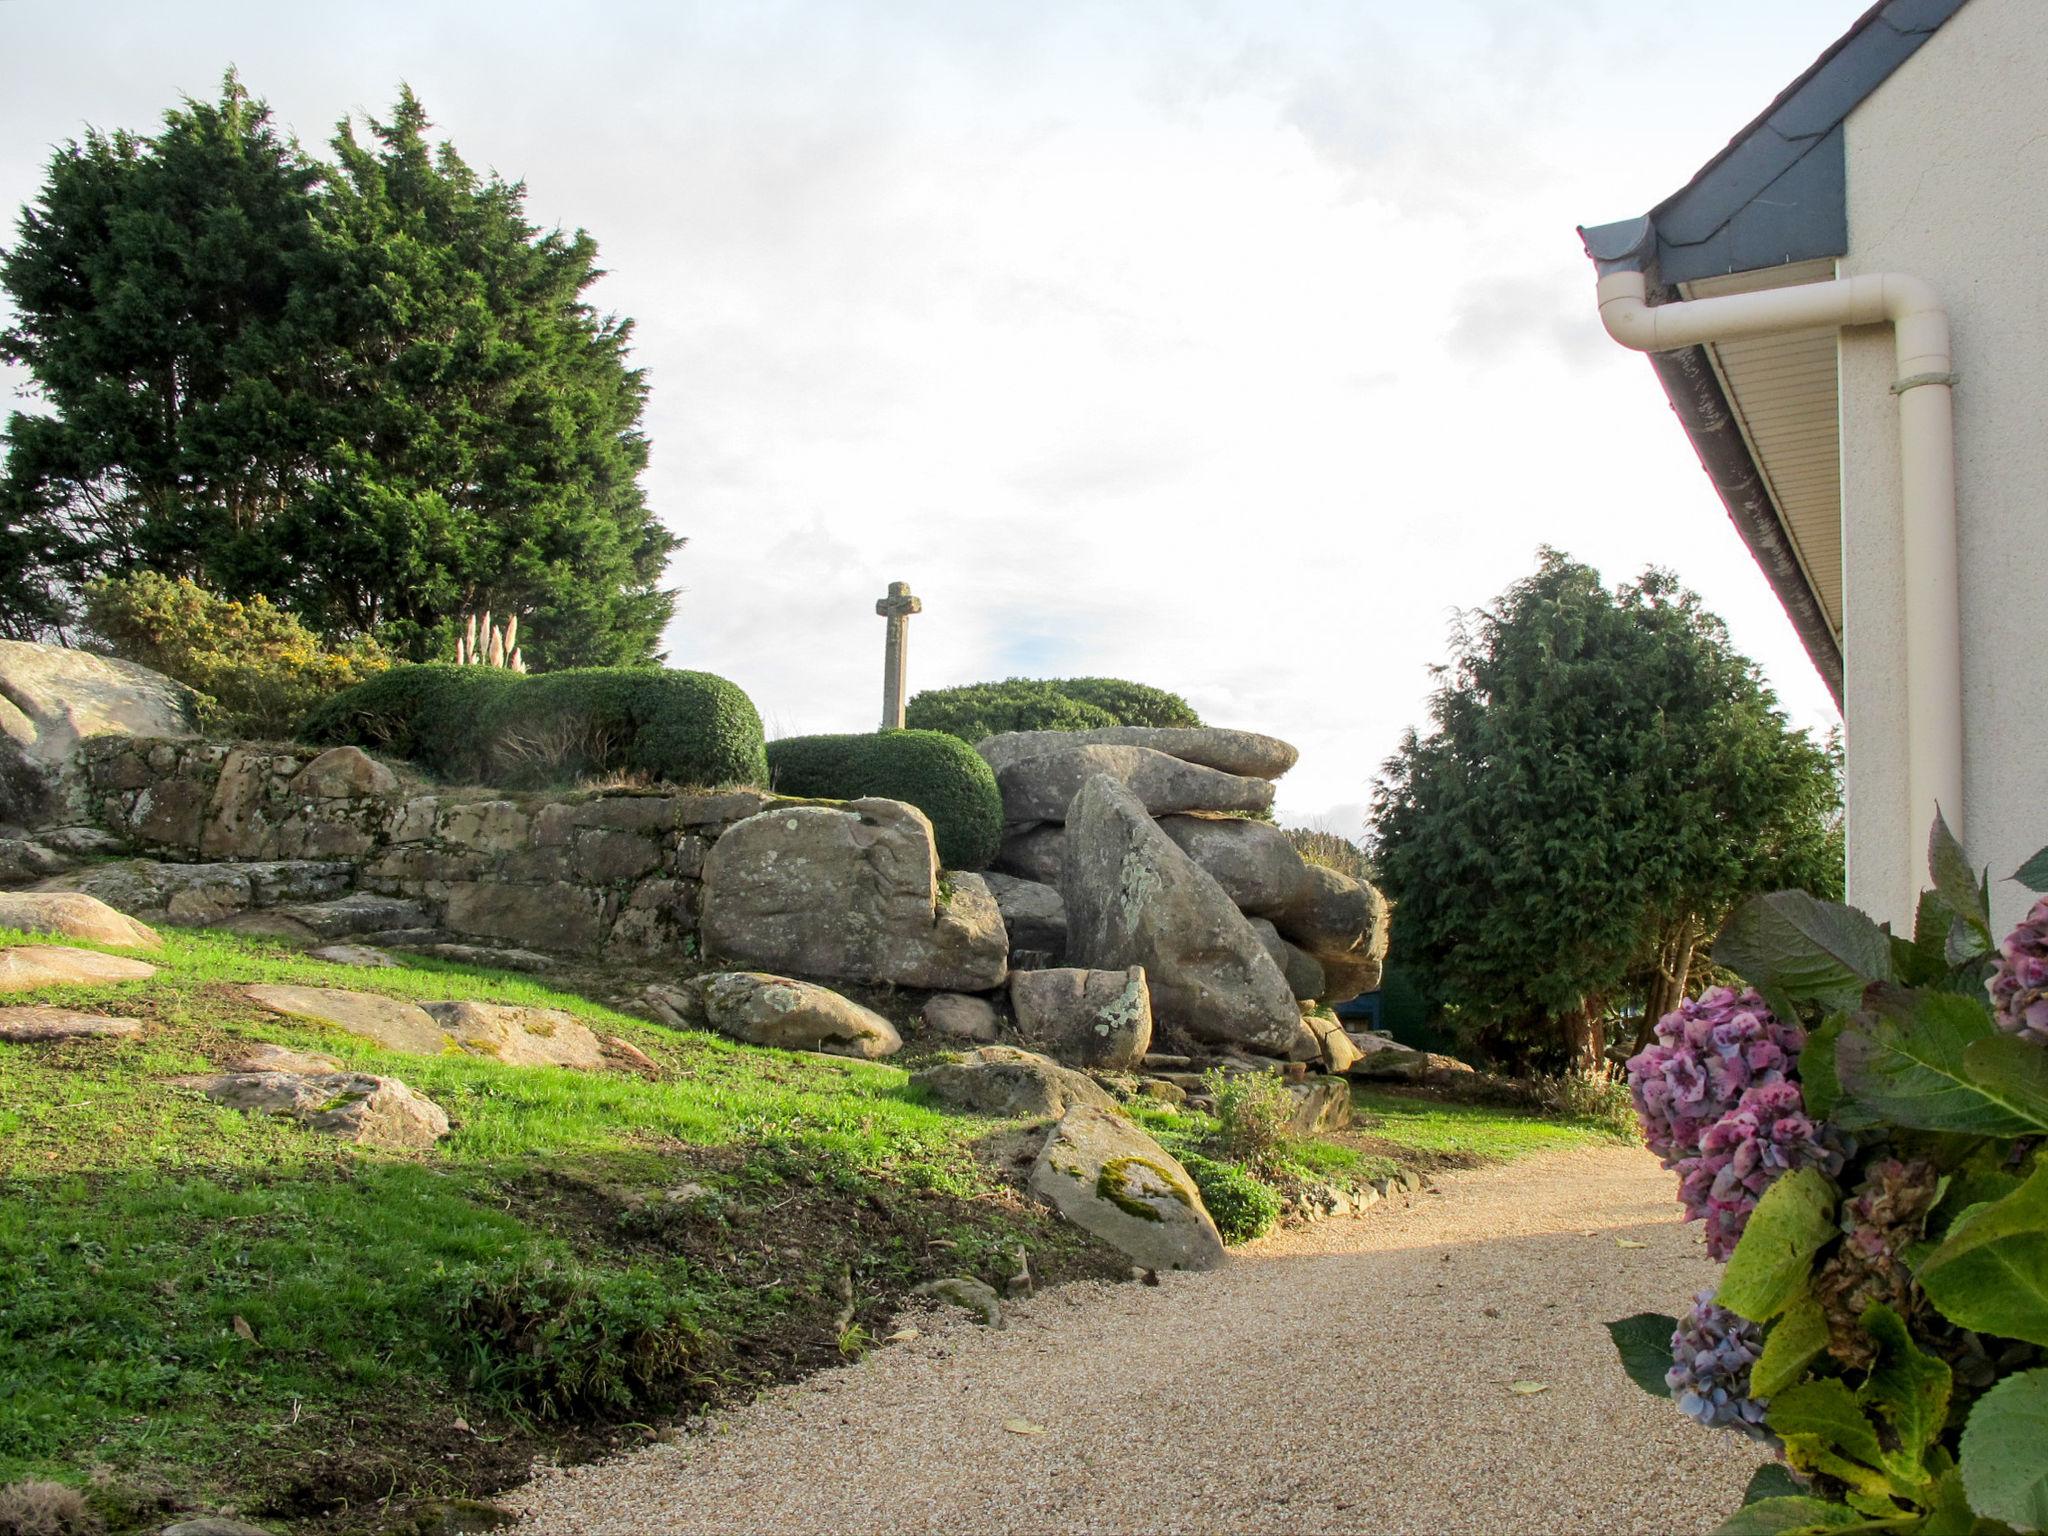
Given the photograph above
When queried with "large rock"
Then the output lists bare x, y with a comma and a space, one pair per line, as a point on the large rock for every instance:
1335, 917
1347, 976
1003, 1080
1085, 1018
850, 892
1304, 973
342, 773
46, 1026
1033, 914
1244, 753
25, 967
956, 1016
1319, 1106
788, 1015
1041, 787
391, 1022
1384, 1060
52, 699
1133, 898
1254, 861
1109, 1178
358, 912
74, 915
1036, 852
357, 1107
516, 1036
520, 1036
264, 1056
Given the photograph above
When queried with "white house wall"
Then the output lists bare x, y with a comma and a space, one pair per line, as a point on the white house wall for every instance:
1948, 180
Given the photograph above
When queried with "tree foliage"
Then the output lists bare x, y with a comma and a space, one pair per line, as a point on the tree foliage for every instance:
1602, 771
370, 391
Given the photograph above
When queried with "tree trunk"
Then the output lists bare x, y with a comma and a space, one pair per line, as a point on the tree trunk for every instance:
1586, 1035
1668, 978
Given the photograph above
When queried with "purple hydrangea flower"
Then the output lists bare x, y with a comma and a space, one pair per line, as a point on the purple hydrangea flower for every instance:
1769, 1133
1709, 1052
1711, 1355
2019, 987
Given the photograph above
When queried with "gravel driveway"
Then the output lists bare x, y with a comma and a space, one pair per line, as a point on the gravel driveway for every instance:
1352, 1377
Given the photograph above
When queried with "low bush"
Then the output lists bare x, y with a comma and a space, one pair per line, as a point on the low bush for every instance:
1243, 1207
1595, 1098
564, 1344
977, 711
931, 770
1252, 1113
256, 668
1332, 850
41, 1508
486, 724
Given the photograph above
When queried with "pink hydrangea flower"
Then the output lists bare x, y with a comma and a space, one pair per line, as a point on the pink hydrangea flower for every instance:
2019, 986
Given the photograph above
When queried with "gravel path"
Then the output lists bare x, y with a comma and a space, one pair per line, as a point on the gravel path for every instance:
1352, 1377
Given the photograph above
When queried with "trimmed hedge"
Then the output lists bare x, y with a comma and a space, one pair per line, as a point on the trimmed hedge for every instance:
978, 711
484, 724
935, 772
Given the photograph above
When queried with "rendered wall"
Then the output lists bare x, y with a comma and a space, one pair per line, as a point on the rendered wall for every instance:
1948, 180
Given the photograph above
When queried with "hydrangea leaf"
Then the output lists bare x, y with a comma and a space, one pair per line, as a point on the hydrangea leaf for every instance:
1795, 948
1991, 1272
2012, 1071
1824, 1430
1794, 1342
1960, 887
1903, 1060
1644, 1344
1787, 1516
2005, 1452
1791, 1223
1817, 1081
1773, 1480
1908, 1392
2034, 873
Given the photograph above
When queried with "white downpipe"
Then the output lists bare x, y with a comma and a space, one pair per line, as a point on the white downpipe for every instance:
1927, 477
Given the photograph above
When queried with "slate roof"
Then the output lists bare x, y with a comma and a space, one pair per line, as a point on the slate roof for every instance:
1776, 194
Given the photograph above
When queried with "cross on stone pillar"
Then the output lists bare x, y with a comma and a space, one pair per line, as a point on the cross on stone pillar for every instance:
897, 608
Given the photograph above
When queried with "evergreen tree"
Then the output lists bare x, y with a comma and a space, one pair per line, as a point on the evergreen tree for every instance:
371, 392
1604, 777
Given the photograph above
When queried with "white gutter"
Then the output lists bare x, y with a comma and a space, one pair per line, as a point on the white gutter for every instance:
1927, 477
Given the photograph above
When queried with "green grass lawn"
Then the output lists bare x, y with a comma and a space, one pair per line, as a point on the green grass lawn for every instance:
210, 1308
246, 1312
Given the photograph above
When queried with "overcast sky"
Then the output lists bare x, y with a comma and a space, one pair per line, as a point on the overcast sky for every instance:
1230, 345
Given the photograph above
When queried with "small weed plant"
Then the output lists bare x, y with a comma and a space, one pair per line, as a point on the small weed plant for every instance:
1599, 1097
1252, 1113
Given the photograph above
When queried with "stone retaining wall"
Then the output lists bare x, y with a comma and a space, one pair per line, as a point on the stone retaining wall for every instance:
612, 872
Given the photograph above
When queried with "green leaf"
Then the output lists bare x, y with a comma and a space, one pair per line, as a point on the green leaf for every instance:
1792, 1516
1825, 1414
1768, 1269
1795, 948
1902, 1059
1908, 1391
2012, 1071
1949, 867
1817, 1081
1991, 1272
1924, 960
1773, 1480
2034, 873
1644, 1344
1794, 1342
2005, 1452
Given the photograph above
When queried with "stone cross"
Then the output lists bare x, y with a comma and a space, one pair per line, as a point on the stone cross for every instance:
897, 608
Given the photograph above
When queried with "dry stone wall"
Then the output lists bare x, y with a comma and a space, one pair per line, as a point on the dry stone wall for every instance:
607, 872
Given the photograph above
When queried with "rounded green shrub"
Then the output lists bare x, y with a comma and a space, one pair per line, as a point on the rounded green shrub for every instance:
484, 724
1131, 703
683, 727
936, 772
429, 714
1241, 1206
977, 711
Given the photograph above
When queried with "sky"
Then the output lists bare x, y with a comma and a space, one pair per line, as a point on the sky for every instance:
1233, 346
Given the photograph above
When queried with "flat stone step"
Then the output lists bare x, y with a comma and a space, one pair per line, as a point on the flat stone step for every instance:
30, 1025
